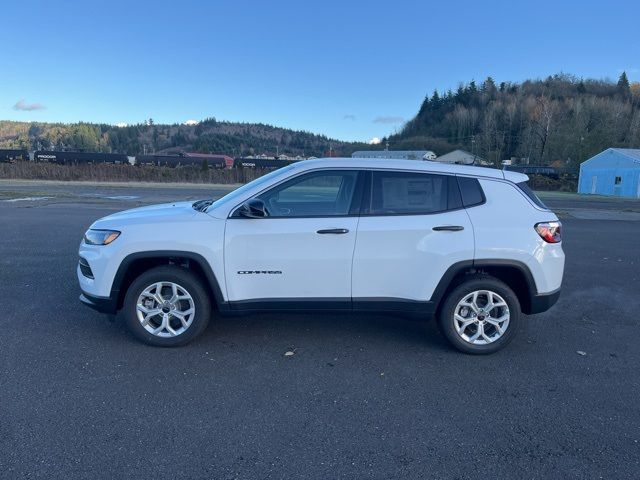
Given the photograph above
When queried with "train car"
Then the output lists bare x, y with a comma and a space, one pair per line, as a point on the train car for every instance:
158, 160
144, 160
212, 159
12, 156
260, 163
74, 158
185, 160
174, 161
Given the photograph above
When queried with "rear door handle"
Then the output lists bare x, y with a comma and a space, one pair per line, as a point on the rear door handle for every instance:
334, 231
448, 228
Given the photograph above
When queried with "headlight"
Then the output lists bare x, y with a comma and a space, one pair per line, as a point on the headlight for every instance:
100, 237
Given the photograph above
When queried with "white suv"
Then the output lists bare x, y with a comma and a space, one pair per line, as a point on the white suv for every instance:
473, 246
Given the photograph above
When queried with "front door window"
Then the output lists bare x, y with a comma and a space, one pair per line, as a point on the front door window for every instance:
317, 194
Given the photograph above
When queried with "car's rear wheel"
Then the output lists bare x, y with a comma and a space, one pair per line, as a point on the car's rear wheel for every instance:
480, 316
167, 306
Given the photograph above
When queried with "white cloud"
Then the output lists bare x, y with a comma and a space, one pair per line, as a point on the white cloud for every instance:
374, 141
191, 122
122, 125
23, 106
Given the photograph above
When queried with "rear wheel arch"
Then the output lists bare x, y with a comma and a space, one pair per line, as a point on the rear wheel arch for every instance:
135, 264
513, 273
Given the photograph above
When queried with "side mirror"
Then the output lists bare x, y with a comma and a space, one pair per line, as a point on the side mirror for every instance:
254, 208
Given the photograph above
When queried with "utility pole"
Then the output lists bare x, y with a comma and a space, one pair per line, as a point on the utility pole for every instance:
473, 148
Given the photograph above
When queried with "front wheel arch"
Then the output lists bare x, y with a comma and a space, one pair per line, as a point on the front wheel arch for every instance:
193, 306
135, 264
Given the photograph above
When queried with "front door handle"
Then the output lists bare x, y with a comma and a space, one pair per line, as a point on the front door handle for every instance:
448, 228
334, 231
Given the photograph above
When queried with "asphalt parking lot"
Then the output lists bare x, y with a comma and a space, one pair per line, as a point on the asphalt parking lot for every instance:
364, 396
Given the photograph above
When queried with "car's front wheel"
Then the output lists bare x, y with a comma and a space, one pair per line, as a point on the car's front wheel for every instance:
480, 316
167, 306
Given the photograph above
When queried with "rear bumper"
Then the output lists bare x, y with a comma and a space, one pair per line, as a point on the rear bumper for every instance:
543, 302
100, 304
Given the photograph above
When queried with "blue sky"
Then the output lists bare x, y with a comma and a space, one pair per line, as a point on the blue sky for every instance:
349, 70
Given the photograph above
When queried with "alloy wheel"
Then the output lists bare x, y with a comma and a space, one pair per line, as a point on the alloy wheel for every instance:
481, 317
165, 309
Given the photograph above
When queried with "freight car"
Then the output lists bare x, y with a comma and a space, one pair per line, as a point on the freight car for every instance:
12, 156
185, 160
213, 160
73, 158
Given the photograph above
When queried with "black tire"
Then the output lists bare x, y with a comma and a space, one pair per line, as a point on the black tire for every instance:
188, 281
446, 320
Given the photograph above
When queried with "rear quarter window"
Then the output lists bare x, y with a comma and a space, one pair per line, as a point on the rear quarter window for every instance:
471, 191
526, 189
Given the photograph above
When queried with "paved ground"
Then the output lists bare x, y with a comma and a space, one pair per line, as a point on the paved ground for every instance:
25, 192
363, 397
592, 207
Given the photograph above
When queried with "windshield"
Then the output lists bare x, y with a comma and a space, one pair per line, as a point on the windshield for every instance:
239, 192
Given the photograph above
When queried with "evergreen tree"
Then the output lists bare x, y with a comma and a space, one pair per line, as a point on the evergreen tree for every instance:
581, 87
623, 86
424, 107
489, 88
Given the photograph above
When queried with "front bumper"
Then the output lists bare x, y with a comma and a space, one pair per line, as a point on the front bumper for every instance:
106, 305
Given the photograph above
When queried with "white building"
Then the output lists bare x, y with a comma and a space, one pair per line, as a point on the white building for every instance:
462, 157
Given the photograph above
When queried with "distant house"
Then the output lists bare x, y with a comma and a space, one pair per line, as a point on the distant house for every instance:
401, 154
616, 172
462, 157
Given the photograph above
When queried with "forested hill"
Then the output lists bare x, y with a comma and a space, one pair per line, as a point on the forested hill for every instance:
208, 136
561, 120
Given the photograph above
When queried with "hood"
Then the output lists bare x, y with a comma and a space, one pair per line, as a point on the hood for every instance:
162, 213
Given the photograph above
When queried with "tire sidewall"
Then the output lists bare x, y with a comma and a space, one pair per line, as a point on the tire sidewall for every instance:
446, 320
187, 280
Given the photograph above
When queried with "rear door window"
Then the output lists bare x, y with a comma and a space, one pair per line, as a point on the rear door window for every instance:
409, 193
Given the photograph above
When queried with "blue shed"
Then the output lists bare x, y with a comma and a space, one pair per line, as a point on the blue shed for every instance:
616, 172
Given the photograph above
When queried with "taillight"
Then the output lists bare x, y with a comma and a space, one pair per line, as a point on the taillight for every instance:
550, 232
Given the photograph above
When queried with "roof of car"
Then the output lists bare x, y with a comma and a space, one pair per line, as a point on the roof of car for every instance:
415, 165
